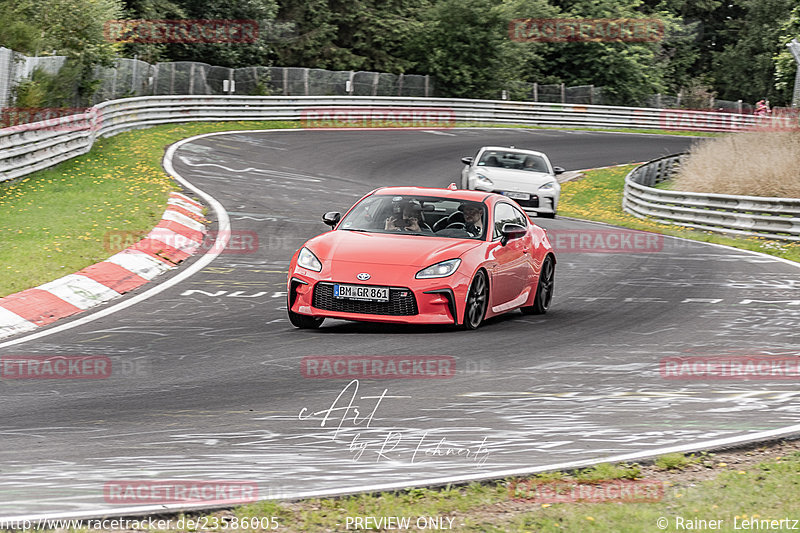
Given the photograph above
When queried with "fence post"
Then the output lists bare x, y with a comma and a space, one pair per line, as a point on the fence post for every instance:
563, 94
794, 48
426, 85
133, 75
191, 78
285, 82
350, 83
400, 85
305, 81
591, 94
375, 79
535, 91
739, 106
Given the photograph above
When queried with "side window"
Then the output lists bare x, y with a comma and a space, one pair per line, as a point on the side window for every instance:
522, 220
503, 214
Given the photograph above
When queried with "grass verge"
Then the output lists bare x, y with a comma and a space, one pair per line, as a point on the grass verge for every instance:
598, 197
54, 222
730, 487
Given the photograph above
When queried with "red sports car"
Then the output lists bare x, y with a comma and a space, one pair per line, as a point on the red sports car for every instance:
423, 256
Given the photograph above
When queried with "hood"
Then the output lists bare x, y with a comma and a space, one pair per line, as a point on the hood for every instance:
505, 179
386, 248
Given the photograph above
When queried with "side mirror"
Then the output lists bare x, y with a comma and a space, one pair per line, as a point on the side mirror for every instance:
466, 160
512, 231
331, 218
558, 170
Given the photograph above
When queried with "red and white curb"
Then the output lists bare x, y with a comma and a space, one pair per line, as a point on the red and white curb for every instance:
179, 235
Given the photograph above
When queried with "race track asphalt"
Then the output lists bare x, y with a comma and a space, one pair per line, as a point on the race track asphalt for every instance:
207, 382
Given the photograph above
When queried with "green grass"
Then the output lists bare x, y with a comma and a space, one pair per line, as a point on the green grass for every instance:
767, 490
486, 507
56, 221
673, 461
599, 197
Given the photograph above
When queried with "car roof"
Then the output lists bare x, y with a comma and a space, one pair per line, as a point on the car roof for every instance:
509, 149
454, 194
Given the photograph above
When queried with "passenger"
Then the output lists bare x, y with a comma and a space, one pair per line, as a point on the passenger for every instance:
409, 220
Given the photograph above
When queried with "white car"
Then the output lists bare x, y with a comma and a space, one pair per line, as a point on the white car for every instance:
525, 176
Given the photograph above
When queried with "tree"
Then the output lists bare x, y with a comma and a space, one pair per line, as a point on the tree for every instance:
745, 68
349, 35
464, 45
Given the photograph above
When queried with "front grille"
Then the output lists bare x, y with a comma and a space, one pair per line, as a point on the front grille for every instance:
401, 302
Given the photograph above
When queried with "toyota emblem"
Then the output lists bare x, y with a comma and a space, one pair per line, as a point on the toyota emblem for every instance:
363, 276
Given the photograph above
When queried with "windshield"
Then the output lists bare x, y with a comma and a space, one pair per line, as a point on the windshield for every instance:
417, 215
513, 160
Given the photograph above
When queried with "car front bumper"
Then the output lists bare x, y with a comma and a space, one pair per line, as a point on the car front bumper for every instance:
431, 301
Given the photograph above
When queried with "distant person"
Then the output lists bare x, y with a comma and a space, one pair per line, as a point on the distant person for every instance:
762, 108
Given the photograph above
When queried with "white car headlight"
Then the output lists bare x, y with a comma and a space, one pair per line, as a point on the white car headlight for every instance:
483, 180
439, 270
308, 260
550, 186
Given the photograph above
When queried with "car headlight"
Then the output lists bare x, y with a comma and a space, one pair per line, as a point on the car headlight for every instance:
483, 180
550, 186
307, 259
439, 270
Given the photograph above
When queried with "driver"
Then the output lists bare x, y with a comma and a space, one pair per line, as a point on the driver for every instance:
473, 216
408, 218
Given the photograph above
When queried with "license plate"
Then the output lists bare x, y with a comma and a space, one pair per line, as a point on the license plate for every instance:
361, 292
518, 195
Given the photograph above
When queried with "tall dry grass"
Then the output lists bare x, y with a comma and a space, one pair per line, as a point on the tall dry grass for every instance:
753, 164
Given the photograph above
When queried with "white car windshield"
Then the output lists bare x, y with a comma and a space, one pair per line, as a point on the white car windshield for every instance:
417, 215
513, 160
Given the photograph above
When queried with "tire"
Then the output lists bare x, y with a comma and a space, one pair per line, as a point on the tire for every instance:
305, 321
477, 301
546, 215
544, 289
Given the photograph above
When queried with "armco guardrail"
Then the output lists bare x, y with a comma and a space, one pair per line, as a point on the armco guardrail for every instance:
29, 147
777, 218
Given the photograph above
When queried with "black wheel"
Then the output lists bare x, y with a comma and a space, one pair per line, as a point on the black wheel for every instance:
305, 321
544, 289
546, 215
477, 301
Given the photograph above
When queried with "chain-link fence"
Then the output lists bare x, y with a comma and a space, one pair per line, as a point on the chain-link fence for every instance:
556, 93
130, 77
15, 67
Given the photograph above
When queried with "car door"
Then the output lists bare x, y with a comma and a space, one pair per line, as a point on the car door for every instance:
512, 264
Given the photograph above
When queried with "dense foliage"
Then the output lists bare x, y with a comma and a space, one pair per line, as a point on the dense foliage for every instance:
730, 49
